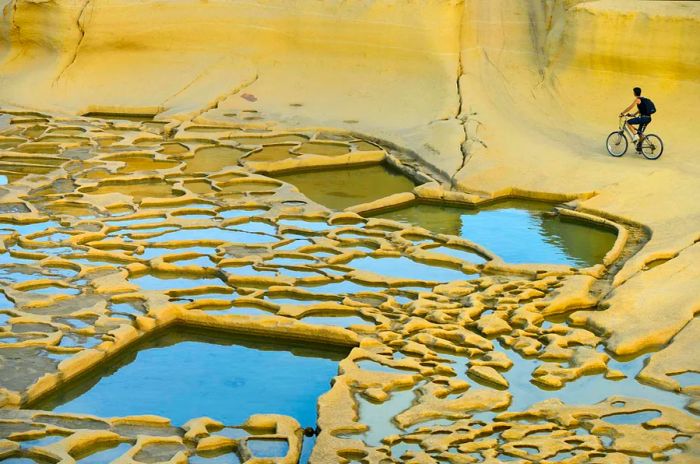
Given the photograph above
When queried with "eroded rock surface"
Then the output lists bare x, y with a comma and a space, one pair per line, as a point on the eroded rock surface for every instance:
113, 229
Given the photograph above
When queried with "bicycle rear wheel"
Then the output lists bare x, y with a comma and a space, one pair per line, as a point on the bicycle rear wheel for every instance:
652, 147
616, 143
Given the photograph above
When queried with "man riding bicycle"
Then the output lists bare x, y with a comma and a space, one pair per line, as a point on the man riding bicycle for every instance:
642, 117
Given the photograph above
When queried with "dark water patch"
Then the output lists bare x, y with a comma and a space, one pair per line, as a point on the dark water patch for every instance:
213, 159
135, 117
340, 188
656, 263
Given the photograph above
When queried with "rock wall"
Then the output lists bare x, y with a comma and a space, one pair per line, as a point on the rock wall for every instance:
385, 67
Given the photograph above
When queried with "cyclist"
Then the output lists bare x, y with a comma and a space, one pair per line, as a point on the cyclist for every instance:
642, 117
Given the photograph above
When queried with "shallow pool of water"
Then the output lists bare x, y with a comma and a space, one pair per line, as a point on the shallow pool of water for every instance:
336, 320
378, 416
459, 253
268, 448
405, 268
155, 252
158, 281
315, 226
238, 311
589, 389
185, 374
338, 189
226, 457
213, 159
344, 287
518, 231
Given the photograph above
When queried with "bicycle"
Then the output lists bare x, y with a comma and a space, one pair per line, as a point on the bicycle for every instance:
617, 143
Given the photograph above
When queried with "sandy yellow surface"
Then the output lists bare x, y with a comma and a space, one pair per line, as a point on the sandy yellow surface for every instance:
499, 97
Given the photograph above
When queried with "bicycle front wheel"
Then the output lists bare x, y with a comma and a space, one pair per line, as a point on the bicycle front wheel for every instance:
616, 143
652, 147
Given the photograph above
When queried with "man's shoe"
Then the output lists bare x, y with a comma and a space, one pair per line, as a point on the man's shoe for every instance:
639, 147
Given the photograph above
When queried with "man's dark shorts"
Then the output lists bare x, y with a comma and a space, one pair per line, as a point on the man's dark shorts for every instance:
643, 122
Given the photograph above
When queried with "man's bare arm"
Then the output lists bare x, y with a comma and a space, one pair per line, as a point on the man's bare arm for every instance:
632, 105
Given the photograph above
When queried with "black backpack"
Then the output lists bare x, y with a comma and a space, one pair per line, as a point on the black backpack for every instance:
648, 105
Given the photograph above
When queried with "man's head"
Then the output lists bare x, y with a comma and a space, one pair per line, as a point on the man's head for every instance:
637, 91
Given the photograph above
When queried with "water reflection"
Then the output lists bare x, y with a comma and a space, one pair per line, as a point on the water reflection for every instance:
338, 189
518, 231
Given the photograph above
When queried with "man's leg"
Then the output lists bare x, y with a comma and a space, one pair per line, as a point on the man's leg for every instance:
640, 133
642, 128
632, 122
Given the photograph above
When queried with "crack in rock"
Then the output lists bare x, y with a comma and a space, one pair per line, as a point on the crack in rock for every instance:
81, 29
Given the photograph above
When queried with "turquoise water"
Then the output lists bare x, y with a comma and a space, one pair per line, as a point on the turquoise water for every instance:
405, 268
687, 379
337, 320
214, 458
344, 287
256, 227
53, 290
213, 233
43, 441
186, 374
588, 389
263, 448
172, 282
236, 213
18, 460
518, 231
315, 226
26, 229
458, 253
202, 261
156, 252
105, 454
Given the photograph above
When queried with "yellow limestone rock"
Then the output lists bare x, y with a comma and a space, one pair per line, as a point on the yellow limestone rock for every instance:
430, 407
678, 357
201, 426
489, 375
499, 85
492, 325
573, 294
495, 359
633, 318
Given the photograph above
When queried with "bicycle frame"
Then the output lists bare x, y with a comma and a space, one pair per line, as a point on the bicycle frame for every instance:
625, 128
651, 145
